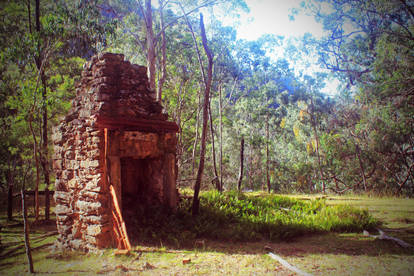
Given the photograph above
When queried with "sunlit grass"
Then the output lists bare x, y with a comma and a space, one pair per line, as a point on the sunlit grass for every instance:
241, 217
393, 212
326, 253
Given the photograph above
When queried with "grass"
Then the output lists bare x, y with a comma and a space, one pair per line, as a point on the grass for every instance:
324, 249
393, 212
240, 217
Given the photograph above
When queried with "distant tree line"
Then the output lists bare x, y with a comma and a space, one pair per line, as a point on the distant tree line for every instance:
296, 138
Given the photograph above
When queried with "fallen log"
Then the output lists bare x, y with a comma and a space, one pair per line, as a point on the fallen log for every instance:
15, 252
383, 236
288, 265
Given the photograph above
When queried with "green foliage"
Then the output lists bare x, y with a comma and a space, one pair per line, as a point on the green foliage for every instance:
66, 34
361, 141
242, 217
366, 143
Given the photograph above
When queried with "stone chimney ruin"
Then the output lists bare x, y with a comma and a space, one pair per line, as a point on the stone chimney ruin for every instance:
114, 134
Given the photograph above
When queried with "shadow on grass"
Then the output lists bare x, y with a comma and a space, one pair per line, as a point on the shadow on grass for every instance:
349, 244
235, 225
352, 244
233, 217
238, 224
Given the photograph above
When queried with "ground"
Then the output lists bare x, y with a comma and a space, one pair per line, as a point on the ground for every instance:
323, 254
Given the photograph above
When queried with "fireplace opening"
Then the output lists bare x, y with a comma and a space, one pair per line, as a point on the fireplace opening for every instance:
135, 182
139, 181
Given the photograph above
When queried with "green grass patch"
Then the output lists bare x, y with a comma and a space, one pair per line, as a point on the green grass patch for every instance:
393, 212
242, 217
340, 253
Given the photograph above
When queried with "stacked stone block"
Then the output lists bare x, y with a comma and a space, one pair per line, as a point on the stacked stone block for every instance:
113, 88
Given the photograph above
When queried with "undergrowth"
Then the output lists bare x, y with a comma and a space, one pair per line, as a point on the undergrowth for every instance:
241, 217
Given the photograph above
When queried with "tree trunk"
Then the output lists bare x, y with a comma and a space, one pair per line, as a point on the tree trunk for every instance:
10, 202
221, 138
178, 110
402, 183
29, 12
37, 15
249, 168
47, 203
150, 45
45, 151
196, 134
26, 233
313, 121
196, 201
200, 62
239, 182
267, 153
361, 166
163, 53
213, 150
35, 154
35, 148
10, 180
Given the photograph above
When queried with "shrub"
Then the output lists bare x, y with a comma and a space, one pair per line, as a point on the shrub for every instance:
241, 217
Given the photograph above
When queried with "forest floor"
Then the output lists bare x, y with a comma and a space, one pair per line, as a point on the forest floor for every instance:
321, 254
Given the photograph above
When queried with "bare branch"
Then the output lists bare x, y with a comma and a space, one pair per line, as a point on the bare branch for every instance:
185, 14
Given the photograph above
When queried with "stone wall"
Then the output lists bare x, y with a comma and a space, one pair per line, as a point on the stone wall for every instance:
113, 117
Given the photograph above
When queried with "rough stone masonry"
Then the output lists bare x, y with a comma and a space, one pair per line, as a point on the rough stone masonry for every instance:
114, 134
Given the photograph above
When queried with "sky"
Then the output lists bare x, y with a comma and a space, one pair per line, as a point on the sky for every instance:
273, 17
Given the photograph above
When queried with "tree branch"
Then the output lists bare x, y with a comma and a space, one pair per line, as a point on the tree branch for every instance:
185, 14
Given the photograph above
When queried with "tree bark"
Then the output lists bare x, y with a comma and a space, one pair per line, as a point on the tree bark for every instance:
163, 53
35, 155
10, 180
178, 107
200, 62
267, 153
249, 167
150, 45
45, 151
361, 166
213, 150
37, 15
196, 134
239, 182
402, 183
221, 138
196, 201
35, 150
29, 12
26, 233
10, 202
313, 121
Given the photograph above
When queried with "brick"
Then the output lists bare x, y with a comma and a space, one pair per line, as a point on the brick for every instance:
110, 87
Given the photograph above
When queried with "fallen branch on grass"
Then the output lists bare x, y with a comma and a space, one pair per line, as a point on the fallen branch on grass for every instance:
288, 265
53, 233
16, 246
383, 236
15, 251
